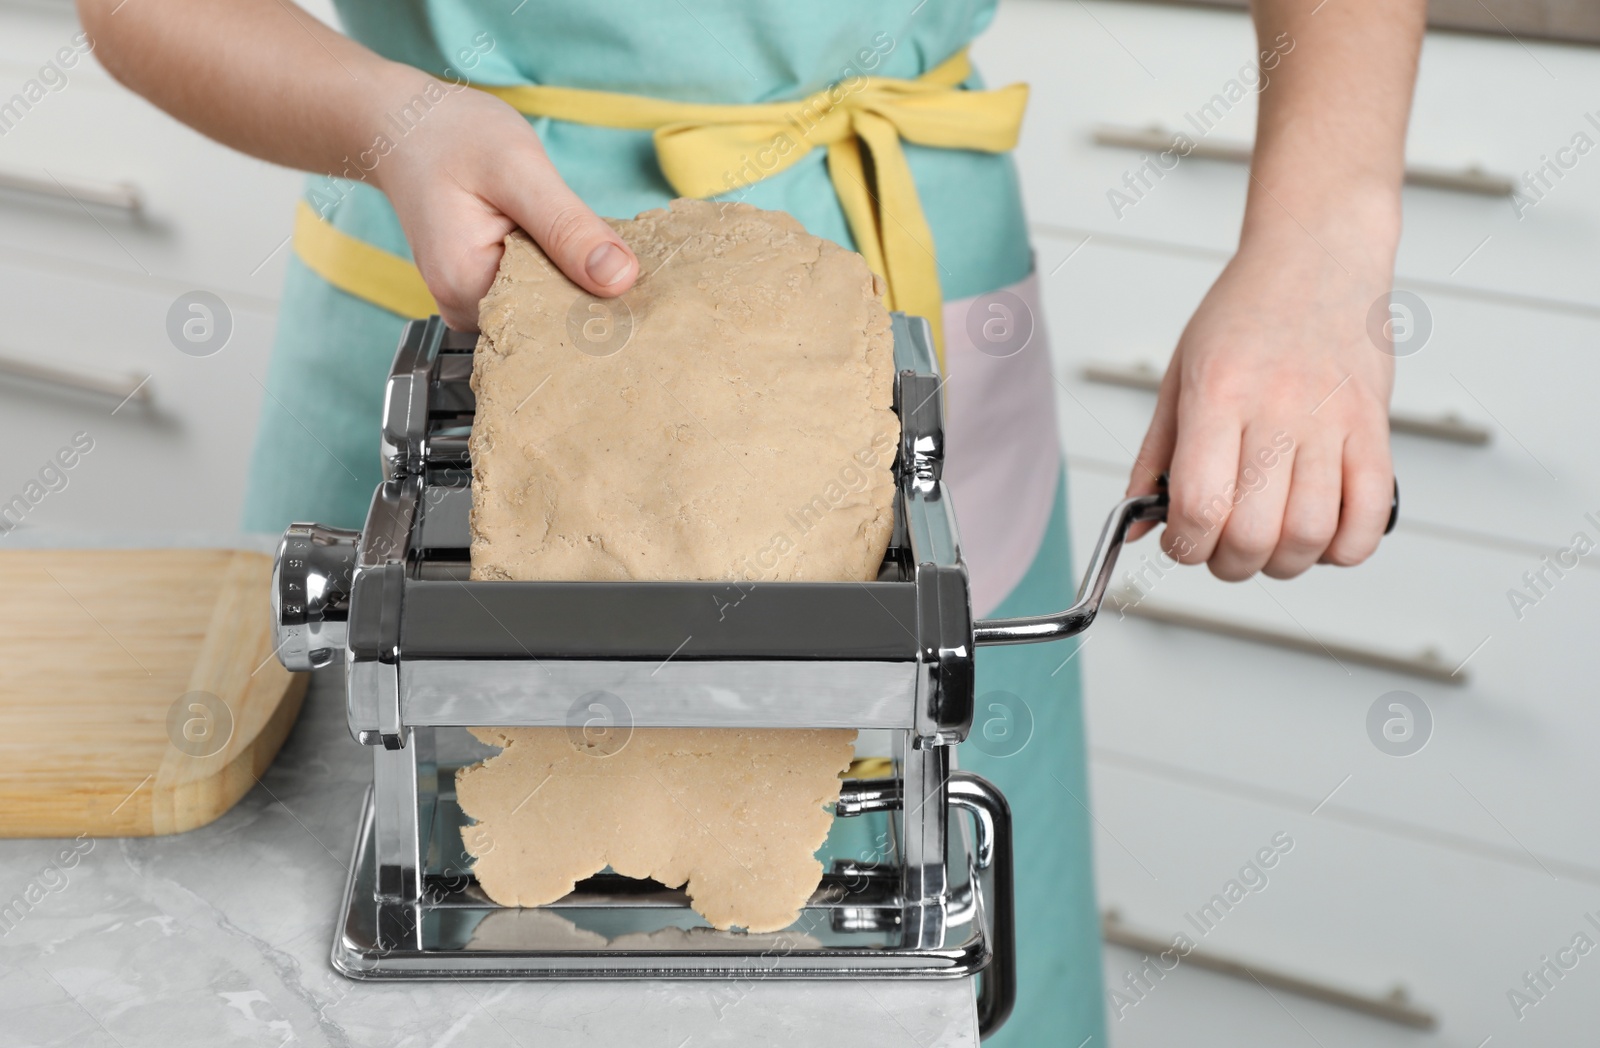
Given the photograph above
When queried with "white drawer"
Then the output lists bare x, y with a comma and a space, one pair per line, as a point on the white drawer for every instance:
1494, 103
1355, 905
1506, 751
1529, 377
211, 217
176, 463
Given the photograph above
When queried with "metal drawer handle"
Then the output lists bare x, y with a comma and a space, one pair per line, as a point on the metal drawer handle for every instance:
123, 196
1448, 427
121, 388
1031, 629
1156, 138
1428, 665
1397, 1007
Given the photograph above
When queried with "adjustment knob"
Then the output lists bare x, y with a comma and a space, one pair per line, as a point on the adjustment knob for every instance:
311, 581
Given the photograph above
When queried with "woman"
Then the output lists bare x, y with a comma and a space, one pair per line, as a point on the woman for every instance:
438, 172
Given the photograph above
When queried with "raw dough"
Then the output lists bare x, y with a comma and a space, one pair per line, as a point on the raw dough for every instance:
727, 418
736, 815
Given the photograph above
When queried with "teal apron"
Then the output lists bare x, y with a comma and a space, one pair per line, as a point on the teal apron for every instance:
316, 456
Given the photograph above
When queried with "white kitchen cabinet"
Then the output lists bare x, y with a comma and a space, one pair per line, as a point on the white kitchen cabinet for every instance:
1480, 102
1361, 907
175, 463
1458, 868
87, 289
210, 217
1518, 733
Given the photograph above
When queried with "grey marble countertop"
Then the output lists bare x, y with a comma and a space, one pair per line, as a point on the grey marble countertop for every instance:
221, 936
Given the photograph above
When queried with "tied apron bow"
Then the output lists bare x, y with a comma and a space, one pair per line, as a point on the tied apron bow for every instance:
706, 150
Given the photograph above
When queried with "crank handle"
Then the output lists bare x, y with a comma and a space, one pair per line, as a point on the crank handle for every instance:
1031, 629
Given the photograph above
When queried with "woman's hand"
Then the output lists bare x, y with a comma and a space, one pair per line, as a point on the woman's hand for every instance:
1272, 419
1273, 416
265, 77
468, 173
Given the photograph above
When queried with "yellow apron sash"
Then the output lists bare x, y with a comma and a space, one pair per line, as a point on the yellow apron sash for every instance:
705, 150
355, 266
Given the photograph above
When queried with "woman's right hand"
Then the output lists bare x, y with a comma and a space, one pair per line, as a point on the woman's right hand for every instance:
471, 170
265, 77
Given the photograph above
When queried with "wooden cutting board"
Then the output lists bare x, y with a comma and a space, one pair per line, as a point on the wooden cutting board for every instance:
139, 693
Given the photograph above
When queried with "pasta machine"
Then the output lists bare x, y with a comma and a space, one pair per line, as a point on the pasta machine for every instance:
427, 652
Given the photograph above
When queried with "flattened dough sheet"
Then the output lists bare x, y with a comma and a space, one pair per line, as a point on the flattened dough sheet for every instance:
734, 815
727, 419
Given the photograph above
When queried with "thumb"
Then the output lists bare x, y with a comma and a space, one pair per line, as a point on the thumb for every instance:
1155, 454
578, 241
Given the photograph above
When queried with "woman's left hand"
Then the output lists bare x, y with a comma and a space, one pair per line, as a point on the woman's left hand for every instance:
1272, 419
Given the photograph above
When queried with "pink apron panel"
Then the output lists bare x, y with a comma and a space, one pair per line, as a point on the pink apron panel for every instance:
1002, 445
